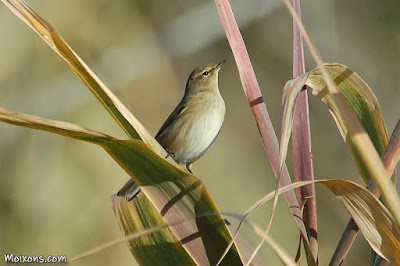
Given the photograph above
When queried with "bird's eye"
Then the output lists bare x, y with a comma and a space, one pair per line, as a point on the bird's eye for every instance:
205, 73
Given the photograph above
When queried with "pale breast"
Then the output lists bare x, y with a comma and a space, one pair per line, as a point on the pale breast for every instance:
192, 140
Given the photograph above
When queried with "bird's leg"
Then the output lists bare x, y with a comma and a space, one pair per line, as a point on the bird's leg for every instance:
169, 153
189, 167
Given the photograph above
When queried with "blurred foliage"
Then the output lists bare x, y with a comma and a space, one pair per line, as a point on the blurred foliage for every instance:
144, 52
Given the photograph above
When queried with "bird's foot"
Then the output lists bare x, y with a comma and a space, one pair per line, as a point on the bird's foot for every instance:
189, 167
170, 153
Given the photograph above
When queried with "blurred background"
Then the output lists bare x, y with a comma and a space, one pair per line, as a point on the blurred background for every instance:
55, 192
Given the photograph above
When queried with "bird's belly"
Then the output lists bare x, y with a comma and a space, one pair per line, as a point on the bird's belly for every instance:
195, 141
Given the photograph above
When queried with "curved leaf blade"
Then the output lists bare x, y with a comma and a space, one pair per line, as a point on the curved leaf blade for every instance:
174, 193
155, 248
360, 99
359, 142
357, 134
128, 122
374, 220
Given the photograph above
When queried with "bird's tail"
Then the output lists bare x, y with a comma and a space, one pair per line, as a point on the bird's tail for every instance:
129, 190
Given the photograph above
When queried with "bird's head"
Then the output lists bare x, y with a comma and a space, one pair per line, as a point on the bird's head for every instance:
203, 78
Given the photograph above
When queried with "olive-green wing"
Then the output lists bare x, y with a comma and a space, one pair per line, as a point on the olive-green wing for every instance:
179, 110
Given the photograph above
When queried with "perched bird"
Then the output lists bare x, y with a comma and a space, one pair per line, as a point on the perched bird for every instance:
194, 124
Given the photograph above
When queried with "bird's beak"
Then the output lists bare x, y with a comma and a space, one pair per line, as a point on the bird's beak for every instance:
219, 65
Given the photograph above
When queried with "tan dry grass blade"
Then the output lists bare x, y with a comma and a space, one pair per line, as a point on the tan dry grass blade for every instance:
58, 127
114, 243
283, 255
258, 204
358, 101
390, 159
289, 101
118, 206
373, 219
357, 134
297, 83
246, 250
359, 97
111, 103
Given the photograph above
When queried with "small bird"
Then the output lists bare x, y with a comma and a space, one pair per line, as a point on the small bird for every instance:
194, 124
